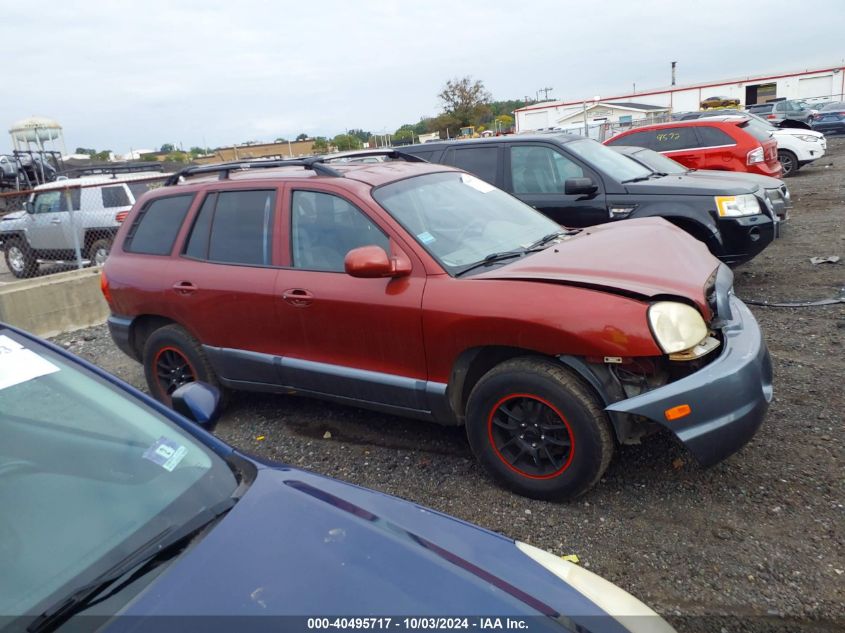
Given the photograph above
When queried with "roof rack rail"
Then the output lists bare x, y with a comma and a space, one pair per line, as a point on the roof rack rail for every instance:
94, 170
388, 152
223, 169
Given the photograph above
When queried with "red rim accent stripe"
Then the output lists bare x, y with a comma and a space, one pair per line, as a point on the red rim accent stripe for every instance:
155, 366
557, 412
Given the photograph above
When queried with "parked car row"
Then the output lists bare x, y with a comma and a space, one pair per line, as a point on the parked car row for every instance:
796, 146
578, 182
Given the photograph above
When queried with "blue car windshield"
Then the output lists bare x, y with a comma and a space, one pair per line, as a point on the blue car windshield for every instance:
88, 474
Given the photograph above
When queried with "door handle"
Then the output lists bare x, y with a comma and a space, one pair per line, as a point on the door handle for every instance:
185, 287
56, 221
298, 297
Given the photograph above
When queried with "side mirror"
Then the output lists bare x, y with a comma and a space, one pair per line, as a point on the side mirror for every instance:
579, 186
29, 207
199, 402
369, 262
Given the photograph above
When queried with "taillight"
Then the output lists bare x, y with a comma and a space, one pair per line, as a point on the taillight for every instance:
121, 216
757, 155
104, 286
770, 116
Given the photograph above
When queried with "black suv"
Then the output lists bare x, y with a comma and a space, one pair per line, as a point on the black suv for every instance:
578, 182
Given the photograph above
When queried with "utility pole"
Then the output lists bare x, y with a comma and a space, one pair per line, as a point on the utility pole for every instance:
545, 92
673, 72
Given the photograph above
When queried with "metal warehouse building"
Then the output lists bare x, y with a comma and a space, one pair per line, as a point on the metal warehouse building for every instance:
811, 84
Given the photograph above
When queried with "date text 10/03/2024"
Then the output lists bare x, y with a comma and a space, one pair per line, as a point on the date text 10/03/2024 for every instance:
417, 623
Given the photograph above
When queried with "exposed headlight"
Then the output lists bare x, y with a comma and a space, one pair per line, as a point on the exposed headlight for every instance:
735, 206
807, 138
618, 603
676, 326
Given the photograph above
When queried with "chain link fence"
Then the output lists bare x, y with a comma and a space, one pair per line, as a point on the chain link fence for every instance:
69, 223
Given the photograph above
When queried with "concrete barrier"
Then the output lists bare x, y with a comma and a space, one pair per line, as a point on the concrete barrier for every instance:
56, 303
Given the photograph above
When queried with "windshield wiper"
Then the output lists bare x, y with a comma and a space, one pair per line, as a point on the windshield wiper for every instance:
492, 258
638, 178
82, 597
545, 240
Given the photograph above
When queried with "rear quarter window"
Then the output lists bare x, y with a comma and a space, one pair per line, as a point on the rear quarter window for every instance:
714, 137
115, 197
154, 229
637, 139
758, 130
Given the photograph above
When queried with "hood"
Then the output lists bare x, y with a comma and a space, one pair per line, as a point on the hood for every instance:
766, 182
648, 257
14, 215
302, 544
791, 131
690, 185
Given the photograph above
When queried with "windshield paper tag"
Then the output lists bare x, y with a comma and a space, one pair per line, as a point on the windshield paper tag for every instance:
426, 237
475, 183
18, 364
166, 453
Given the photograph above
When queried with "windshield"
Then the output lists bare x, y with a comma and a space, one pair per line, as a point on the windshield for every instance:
659, 163
460, 219
836, 105
612, 163
87, 475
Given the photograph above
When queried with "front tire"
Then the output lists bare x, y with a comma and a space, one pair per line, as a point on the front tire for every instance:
538, 429
788, 161
20, 259
172, 358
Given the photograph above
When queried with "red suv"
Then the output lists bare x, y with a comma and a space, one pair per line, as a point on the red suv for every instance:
420, 290
729, 143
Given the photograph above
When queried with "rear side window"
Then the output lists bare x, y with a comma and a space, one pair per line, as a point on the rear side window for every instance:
481, 161
154, 229
115, 197
234, 227
714, 137
669, 139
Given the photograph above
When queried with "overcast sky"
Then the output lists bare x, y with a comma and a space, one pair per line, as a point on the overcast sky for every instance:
137, 74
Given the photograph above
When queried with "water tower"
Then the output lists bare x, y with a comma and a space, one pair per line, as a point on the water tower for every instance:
38, 134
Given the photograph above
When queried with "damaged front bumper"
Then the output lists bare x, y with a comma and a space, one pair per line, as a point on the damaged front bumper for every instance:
728, 398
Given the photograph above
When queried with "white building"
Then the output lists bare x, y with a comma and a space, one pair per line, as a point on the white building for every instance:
811, 84
569, 117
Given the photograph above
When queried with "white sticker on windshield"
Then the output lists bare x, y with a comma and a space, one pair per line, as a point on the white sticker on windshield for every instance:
166, 453
426, 237
18, 364
476, 183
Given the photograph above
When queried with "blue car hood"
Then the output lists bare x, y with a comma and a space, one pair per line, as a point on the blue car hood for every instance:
303, 544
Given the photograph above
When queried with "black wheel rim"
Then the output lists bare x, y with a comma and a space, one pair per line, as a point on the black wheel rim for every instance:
172, 370
531, 436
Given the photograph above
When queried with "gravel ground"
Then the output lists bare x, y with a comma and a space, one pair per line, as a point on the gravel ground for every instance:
754, 543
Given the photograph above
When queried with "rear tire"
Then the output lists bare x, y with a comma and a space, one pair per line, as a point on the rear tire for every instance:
20, 259
788, 161
172, 358
539, 430
99, 251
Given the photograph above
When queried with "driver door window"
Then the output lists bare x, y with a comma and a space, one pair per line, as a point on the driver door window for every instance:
536, 169
325, 227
